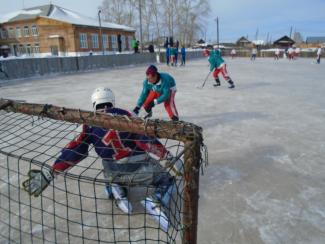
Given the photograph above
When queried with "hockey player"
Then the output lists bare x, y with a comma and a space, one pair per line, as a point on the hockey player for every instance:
173, 56
233, 53
297, 52
290, 53
319, 54
157, 88
218, 65
125, 159
254, 53
277, 54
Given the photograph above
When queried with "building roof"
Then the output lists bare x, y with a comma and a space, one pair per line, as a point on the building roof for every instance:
284, 40
55, 12
315, 39
258, 42
243, 40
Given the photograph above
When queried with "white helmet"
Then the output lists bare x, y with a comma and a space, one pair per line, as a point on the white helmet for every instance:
102, 95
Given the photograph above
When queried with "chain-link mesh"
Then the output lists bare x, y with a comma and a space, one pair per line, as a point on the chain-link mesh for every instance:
82, 204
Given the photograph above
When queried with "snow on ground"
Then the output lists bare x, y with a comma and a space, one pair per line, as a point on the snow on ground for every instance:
265, 182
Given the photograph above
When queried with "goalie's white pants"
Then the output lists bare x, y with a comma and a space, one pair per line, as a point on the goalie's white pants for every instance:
142, 170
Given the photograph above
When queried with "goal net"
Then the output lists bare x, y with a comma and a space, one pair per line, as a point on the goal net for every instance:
81, 204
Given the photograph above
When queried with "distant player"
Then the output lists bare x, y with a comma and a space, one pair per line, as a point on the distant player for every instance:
254, 53
297, 52
233, 53
277, 54
183, 54
173, 53
157, 88
124, 156
218, 65
290, 53
319, 54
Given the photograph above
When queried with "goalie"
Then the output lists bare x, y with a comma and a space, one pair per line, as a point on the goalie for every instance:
125, 158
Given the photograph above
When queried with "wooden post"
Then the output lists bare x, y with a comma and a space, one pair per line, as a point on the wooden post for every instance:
192, 158
180, 131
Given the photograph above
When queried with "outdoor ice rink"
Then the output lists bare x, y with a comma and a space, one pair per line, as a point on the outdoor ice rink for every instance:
265, 182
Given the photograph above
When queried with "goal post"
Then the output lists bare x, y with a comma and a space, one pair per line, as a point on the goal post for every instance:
49, 127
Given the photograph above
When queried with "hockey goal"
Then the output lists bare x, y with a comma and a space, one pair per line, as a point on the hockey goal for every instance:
74, 208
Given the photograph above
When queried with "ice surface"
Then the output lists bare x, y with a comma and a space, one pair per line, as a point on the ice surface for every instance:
266, 138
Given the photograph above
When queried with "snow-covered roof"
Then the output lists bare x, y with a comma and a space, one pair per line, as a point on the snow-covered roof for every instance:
243, 40
258, 42
61, 14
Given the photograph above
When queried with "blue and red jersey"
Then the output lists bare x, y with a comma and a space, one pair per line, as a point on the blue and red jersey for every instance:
109, 144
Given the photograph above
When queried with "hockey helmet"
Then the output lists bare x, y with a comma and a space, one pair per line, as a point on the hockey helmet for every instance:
102, 95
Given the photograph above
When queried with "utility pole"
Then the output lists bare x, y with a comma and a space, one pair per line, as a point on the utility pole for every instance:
217, 22
140, 16
100, 31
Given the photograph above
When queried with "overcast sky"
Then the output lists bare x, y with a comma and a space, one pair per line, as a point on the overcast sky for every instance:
236, 17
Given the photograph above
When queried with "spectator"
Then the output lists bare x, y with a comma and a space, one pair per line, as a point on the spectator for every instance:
151, 48
167, 55
183, 53
176, 52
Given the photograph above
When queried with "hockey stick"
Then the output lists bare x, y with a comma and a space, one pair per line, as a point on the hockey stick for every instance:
200, 87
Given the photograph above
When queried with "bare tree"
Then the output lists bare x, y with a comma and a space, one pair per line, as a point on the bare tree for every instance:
182, 19
297, 37
119, 11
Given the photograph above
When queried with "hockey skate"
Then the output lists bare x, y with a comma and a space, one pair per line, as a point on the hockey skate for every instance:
231, 84
148, 114
217, 82
119, 195
108, 191
153, 207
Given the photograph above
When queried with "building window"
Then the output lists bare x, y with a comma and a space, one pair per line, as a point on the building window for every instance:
4, 34
83, 40
11, 32
36, 48
123, 42
21, 49
114, 42
18, 32
26, 31
34, 30
105, 41
94, 40
28, 49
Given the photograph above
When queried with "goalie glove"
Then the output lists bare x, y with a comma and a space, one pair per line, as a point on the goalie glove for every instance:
173, 164
37, 181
